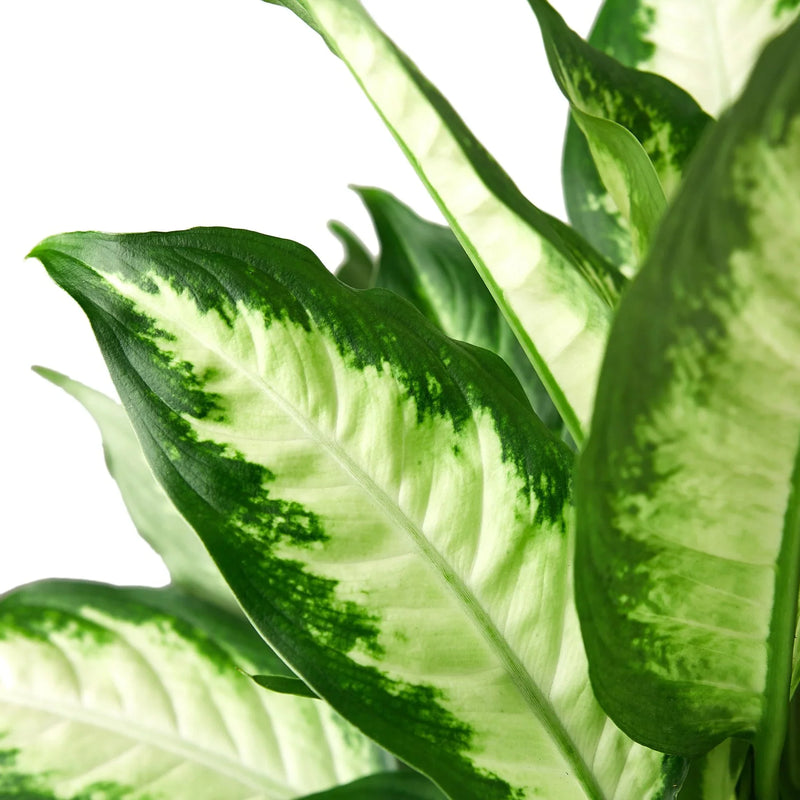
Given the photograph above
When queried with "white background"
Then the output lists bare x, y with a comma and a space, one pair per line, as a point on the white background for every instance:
165, 114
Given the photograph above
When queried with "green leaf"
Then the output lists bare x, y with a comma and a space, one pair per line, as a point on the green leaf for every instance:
384, 786
688, 558
553, 288
662, 116
153, 513
358, 268
707, 48
389, 511
284, 685
136, 694
628, 176
424, 263
714, 775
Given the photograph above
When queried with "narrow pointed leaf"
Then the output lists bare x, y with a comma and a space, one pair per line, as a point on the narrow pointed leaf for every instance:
358, 268
153, 513
138, 694
389, 511
688, 559
628, 175
284, 685
424, 263
706, 48
662, 116
553, 288
384, 786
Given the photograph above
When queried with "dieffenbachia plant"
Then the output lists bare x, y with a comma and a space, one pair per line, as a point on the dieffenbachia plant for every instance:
514, 502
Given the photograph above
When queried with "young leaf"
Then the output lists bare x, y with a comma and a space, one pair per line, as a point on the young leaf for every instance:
383, 501
284, 685
628, 175
384, 786
424, 263
137, 693
358, 268
152, 512
706, 48
553, 288
688, 559
661, 116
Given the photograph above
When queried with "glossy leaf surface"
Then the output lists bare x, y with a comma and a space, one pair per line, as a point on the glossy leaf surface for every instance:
358, 268
424, 263
553, 288
707, 48
138, 694
688, 558
383, 501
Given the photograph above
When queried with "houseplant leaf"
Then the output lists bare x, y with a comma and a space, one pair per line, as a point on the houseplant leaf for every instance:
389, 511
661, 116
153, 513
138, 693
384, 786
553, 288
706, 48
424, 263
628, 176
688, 557
358, 268
709, 50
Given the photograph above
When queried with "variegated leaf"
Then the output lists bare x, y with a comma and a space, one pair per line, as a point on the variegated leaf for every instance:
688, 559
707, 48
424, 263
554, 289
153, 513
628, 176
138, 694
389, 511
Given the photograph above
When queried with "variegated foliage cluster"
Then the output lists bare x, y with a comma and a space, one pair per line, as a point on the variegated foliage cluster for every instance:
394, 473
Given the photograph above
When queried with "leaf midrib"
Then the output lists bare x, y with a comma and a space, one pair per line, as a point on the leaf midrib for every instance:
172, 744
522, 680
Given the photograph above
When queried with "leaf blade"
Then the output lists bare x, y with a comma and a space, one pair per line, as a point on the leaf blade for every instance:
727, 327
137, 692
357, 549
553, 288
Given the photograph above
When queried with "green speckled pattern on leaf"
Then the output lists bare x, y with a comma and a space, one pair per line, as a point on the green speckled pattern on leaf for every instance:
688, 557
386, 506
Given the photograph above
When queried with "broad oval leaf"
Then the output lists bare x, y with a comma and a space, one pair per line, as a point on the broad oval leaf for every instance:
139, 694
389, 511
153, 513
554, 289
425, 263
688, 559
